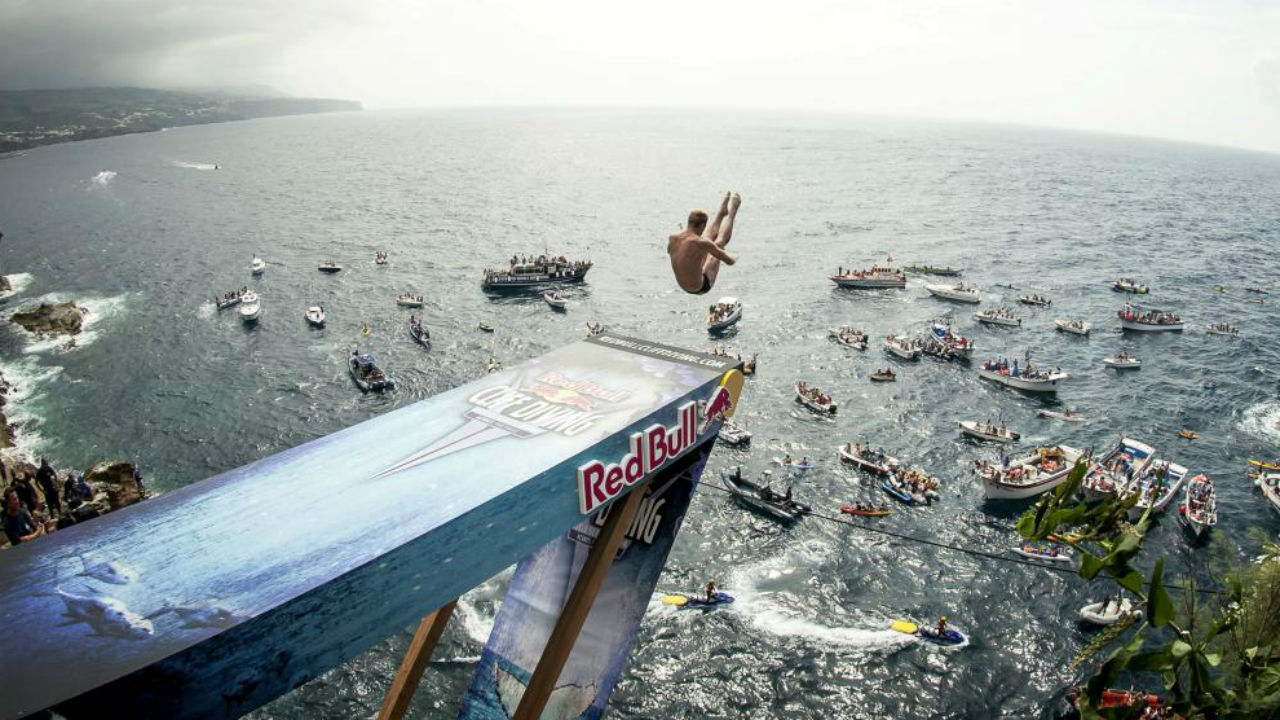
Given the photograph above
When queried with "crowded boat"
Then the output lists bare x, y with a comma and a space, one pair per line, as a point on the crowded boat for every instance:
942, 271
998, 316
849, 337
1122, 360
814, 399
959, 346
1036, 300
1199, 510
902, 347
230, 298
911, 487
1027, 476
1026, 377
724, 314
409, 300
1134, 317
877, 276
1129, 285
1223, 329
1073, 327
885, 375
1116, 469
988, 431
528, 271
864, 458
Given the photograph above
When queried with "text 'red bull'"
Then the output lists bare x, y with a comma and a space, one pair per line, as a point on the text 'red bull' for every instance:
649, 450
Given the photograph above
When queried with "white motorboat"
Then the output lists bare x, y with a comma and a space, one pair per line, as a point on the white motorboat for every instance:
250, 307
1116, 469
1129, 285
885, 375
1109, 611
258, 266
1199, 510
1052, 554
902, 347
555, 300
805, 395
873, 461
366, 373
315, 316
1269, 483
1075, 327
732, 434
1064, 415
1122, 361
876, 277
727, 313
1027, 476
1223, 329
329, 267
959, 292
998, 316
1139, 319
1027, 379
987, 431
409, 300
849, 337
1156, 487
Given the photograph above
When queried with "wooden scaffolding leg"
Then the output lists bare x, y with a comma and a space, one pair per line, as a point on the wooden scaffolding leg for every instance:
415, 661
574, 614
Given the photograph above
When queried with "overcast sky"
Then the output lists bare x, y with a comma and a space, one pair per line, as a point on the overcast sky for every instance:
1206, 71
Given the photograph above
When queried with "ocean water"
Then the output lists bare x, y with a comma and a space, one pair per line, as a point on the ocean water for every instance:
143, 230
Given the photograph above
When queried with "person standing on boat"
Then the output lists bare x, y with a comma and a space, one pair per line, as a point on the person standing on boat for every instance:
711, 591
697, 251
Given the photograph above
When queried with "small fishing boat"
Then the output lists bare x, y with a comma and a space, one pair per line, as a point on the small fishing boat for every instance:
1074, 327
732, 434
861, 510
901, 346
1260, 291
959, 346
942, 271
959, 292
814, 399
998, 316
556, 300
419, 333
1129, 285
761, 497
876, 277
258, 265
724, 314
380, 257
1139, 319
1051, 554
485, 327
409, 300
1109, 611
1269, 483
873, 461
1116, 469
988, 431
1025, 477
329, 267
1035, 300
1156, 486
849, 337
250, 307
1122, 361
1223, 329
315, 316
885, 375
1026, 379
1199, 510
230, 299
1064, 415
366, 373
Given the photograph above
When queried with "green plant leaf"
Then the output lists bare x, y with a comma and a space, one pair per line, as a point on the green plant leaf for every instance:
1159, 604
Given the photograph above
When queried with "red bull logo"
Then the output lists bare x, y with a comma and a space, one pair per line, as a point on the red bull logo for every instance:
717, 408
649, 450
561, 396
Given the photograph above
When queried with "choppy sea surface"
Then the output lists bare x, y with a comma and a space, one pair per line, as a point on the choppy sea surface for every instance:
144, 229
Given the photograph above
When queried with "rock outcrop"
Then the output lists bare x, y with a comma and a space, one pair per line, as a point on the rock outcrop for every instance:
4, 284
59, 319
118, 481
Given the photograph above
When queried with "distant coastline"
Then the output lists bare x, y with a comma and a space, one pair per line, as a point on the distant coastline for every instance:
31, 118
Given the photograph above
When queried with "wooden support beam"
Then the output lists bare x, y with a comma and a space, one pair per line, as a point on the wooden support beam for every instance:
415, 662
574, 614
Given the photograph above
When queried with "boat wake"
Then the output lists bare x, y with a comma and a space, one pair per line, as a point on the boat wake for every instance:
771, 616
100, 313
1262, 420
104, 177
18, 283
193, 165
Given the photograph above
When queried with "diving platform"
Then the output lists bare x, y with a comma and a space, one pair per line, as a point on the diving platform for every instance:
211, 600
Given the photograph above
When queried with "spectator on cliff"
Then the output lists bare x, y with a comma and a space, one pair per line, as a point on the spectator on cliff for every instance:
48, 481
19, 526
26, 492
77, 491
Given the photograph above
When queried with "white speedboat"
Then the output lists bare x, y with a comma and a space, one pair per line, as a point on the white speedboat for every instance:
1064, 415
1223, 329
409, 300
876, 277
959, 292
821, 404
1052, 554
1199, 510
1109, 611
1156, 487
1116, 469
727, 313
258, 266
1122, 361
315, 316
1269, 483
250, 307
902, 347
849, 337
1129, 285
731, 434
873, 461
1027, 476
1075, 327
998, 316
329, 267
987, 431
1027, 379
1138, 319
555, 300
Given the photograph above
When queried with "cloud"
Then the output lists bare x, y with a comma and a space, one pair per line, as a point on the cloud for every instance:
158, 43
1267, 73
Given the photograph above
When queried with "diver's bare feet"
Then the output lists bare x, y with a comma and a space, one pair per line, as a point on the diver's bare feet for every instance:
724, 205
734, 202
